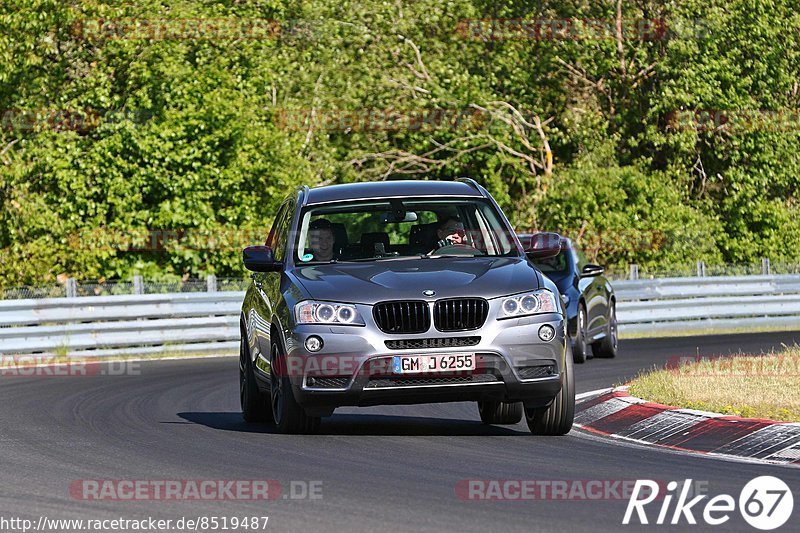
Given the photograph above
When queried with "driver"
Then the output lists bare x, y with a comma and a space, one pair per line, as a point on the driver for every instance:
450, 232
321, 239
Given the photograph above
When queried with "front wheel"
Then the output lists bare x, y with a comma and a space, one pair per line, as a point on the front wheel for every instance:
580, 350
289, 416
255, 407
556, 419
607, 346
502, 413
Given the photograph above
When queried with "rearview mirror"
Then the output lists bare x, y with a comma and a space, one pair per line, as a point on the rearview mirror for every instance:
590, 271
260, 259
397, 217
543, 245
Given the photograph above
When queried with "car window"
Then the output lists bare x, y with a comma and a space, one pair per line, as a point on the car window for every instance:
282, 231
274, 230
580, 258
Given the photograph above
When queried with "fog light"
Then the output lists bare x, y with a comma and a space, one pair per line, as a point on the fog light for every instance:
314, 343
547, 332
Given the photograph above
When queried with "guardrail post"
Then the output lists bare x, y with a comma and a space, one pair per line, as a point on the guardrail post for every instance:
634, 271
765, 270
138, 285
72, 288
211, 282
701, 269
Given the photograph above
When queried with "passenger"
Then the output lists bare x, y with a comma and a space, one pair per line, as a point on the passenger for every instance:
321, 239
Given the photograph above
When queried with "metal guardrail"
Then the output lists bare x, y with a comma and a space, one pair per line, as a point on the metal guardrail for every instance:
708, 304
208, 321
118, 325
71, 287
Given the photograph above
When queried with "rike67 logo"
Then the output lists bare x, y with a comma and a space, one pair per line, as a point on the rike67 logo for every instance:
765, 503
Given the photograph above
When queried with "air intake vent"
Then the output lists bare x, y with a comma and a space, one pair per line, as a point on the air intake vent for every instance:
423, 344
533, 372
380, 383
460, 314
324, 382
402, 317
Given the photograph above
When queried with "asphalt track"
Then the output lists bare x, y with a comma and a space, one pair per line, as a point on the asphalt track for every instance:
382, 468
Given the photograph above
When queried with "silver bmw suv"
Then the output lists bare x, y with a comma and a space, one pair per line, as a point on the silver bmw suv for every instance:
402, 292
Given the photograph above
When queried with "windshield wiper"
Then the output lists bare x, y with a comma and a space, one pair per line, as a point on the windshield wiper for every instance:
384, 258
434, 255
306, 263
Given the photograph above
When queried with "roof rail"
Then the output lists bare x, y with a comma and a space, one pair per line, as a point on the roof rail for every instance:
474, 184
306, 191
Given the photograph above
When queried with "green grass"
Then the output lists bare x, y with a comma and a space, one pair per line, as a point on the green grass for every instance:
766, 386
692, 332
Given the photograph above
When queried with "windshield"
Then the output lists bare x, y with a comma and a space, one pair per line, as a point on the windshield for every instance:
553, 265
386, 229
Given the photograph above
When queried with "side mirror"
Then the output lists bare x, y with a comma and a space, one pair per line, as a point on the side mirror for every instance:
260, 259
543, 245
591, 271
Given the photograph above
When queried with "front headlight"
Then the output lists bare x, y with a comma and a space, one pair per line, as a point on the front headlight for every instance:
311, 312
532, 303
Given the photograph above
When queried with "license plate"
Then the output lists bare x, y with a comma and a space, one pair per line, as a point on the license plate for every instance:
414, 364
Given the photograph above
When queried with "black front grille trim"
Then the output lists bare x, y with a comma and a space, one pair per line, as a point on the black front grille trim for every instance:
422, 381
460, 314
423, 344
410, 316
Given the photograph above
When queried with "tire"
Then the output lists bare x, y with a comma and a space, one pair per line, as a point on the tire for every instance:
288, 415
607, 346
556, 419
255, 407
500, 412
580, 350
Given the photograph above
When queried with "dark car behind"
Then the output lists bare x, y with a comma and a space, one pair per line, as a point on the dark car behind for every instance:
589, 299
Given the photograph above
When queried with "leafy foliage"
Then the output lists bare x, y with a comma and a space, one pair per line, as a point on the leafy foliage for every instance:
103, 135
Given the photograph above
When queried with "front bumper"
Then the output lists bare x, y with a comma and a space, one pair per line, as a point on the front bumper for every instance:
354, 367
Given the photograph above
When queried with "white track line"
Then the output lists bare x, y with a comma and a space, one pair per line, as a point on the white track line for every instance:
598, 392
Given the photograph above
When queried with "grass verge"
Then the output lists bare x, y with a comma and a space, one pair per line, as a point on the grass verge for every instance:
763, 386
698, 332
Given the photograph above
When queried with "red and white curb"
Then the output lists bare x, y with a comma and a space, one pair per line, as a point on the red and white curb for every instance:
615, 413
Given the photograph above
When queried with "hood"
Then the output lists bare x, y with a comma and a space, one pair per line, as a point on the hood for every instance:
405, 279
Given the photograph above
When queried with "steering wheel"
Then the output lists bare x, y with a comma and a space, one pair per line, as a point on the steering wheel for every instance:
457, 249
